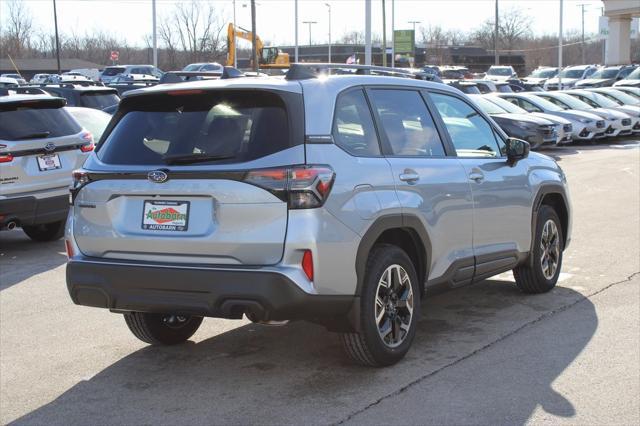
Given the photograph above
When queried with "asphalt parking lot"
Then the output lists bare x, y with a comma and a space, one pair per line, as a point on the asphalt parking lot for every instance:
484, 354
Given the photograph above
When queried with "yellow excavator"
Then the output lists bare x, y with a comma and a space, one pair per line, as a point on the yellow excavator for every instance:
268, 57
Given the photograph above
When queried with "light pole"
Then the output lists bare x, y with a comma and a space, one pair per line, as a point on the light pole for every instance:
310, 23
155, 37
393, 33
583, 46
254, 50
329, 8
367, 32
55, 22
560, 50
495, 39
296, 31
414, 26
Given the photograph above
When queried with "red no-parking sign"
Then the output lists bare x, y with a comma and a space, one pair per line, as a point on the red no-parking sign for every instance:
114, 55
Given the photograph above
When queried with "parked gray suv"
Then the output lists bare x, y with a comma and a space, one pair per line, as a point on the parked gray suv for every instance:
339, 200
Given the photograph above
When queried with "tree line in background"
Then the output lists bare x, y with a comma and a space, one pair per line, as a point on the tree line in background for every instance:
196, 32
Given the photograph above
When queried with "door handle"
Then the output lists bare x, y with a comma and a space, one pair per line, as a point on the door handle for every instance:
476, 176
409, 176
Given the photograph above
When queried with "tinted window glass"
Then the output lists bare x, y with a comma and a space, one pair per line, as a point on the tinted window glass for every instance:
528, 106
98, 100
36, 123
353, 126
235, 126
470, 133
407, 123
91, 119
111, 71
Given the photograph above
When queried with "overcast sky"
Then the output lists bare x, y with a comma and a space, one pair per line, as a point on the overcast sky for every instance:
132, 19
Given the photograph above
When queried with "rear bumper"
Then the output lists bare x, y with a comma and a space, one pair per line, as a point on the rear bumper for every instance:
33, 211
222, 293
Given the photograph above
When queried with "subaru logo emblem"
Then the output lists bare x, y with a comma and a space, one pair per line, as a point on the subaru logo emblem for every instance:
50, 146
157, 176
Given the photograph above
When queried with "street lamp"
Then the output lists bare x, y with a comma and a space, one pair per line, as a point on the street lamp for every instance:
310, 23
414, 26
329, 9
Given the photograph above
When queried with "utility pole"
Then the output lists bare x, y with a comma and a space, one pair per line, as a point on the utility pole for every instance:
384, 34
329, 7
254, 51
583, 46
496, 58
367, 32
393, 33
235, 55
560, 50
414, 26
296, 31
155, 38
309, 23
55, 22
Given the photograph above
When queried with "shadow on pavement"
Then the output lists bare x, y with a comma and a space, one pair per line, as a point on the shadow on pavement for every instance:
297, 373
21, 258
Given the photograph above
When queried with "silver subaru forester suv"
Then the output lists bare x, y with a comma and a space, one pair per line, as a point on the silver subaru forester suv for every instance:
336, 199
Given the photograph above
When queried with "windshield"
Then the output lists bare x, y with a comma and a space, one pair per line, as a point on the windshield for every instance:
620, 97
570, 101
111, 71
635, 75
544, 73
98, 100
44, 122
506, 105
603, 101
545, 104
486, 106
233, 126
575, 73
91, 119
503, 71
605, 73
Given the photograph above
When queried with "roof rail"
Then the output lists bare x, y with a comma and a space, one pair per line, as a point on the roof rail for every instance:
182, 76
304, 71
4, 91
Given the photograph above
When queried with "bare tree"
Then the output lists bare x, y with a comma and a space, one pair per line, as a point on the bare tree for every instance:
514, 26
19, 28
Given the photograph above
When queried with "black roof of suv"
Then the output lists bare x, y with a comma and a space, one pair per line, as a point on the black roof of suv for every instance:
84, 94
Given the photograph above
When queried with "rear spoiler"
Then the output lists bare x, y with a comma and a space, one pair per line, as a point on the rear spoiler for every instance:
182, 76
45, 102
6, 91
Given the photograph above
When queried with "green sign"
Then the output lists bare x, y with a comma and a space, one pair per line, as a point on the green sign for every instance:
404, 41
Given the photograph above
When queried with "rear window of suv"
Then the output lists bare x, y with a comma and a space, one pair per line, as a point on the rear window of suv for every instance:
111, 71
98, 100
35, 122
225, 126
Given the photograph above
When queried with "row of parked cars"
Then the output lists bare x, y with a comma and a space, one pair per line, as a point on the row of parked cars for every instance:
336, 199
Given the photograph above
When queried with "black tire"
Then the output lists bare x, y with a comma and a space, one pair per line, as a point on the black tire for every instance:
366, 346
45, 232
162, 329
530, 276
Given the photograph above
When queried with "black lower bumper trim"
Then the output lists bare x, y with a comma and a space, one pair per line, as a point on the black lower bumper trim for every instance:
227, 293
34, 211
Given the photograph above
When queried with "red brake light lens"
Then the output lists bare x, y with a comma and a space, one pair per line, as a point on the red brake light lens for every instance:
87, 137
87, 148
303, 187
69, 248
307, 264
6, 158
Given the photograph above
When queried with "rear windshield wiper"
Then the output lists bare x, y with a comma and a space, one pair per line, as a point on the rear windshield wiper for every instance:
37, 135
193, 158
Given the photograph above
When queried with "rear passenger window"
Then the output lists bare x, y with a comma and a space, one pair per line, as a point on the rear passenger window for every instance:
34, 122
407, 123
470, 133
353, 128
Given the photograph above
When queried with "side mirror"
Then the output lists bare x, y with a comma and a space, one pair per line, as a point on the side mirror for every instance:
517, 150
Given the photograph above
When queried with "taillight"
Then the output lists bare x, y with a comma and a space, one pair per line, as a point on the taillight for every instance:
307, 264
303, 187
5, 158
80, 179
88, 138
69, 247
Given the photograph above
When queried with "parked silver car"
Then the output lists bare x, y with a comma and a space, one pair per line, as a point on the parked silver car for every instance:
40, 145
620, 119
336, 200
586, 126
570, 76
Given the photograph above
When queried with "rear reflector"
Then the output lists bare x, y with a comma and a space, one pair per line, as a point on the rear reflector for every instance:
69, 248
307, 264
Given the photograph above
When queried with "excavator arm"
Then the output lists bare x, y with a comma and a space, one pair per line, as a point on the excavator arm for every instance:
245, 35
